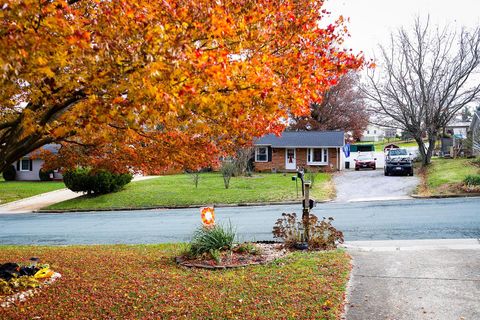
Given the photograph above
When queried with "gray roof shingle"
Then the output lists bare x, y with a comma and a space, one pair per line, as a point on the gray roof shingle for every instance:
51, 147
303, 139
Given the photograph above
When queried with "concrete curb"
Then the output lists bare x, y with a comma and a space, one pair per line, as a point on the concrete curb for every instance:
452, 195
412, 245
220, 205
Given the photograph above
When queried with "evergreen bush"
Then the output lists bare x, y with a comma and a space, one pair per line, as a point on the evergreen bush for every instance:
95, 182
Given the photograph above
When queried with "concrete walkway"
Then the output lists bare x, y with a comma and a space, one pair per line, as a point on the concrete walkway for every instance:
46, 199
414, 279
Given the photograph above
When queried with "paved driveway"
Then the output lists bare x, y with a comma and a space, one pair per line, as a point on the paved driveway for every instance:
369, 185
415, 280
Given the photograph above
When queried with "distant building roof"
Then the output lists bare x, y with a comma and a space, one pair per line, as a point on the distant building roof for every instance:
459, 124
390, 146
52, 147
303, 139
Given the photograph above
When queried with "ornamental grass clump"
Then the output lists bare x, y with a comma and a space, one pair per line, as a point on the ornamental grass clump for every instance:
212, 239
472, 180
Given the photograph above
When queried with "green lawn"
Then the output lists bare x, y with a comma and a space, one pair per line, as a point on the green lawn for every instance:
445, 175
179, 190
379, 145
16, 190
143, 282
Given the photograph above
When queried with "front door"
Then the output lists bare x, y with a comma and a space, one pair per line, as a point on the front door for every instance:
290, 159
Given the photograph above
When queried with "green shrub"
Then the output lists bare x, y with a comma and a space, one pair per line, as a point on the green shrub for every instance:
209, 239
99, 182
45, 175
10, 173
248, 247
472, 180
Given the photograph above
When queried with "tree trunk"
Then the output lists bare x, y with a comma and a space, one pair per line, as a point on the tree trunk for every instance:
431, 146
426, 153
421, 149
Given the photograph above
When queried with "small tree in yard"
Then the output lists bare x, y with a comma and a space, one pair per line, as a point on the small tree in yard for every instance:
195, 177
426, 81
227, 170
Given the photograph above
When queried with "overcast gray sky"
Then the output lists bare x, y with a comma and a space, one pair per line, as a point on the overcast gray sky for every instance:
371, 21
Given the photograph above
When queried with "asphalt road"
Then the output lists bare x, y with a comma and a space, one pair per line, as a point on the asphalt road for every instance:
370, 184
404, 219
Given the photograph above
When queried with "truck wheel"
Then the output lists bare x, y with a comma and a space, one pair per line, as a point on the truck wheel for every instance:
386, 172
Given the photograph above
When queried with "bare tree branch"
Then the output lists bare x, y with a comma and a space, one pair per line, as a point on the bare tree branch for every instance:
426, 80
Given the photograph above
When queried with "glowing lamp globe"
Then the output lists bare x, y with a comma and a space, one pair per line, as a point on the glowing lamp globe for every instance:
208, 216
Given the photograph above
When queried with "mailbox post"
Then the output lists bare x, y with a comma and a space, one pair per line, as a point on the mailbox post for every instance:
306, 210
307, 203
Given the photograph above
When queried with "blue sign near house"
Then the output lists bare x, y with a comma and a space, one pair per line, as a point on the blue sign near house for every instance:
346, 150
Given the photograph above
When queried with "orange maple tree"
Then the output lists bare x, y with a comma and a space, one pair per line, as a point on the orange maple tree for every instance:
147, 84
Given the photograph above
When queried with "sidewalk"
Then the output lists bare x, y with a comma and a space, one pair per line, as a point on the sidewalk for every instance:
46, 199
414, 279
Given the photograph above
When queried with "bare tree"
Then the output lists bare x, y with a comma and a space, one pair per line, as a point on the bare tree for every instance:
242, 161
426, 80
342, 108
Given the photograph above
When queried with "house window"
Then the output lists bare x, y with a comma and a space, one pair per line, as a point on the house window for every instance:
317, 156
374, 131
25, 165
368, 131
261, 154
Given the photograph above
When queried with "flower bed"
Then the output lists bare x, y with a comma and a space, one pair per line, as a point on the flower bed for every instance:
240, 256
18, 281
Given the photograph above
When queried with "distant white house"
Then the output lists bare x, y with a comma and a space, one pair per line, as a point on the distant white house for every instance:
459, 129
28, 167
373, 133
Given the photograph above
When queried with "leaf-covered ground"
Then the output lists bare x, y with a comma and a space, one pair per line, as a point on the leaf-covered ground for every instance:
143, 282
179, 190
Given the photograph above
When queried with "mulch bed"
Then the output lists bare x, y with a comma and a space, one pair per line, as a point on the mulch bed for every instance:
268, 253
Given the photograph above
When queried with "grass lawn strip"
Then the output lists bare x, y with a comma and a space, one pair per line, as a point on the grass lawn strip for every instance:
379, 145
143, 281
445, 176
16, 190
179, 190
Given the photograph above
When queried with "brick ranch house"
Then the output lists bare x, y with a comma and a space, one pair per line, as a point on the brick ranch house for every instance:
320, 150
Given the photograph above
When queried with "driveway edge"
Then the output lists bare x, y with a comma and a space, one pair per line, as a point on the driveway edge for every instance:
32, 197
220, 205
451, 195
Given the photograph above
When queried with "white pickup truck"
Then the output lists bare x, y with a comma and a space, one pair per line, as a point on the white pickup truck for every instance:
398, 161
